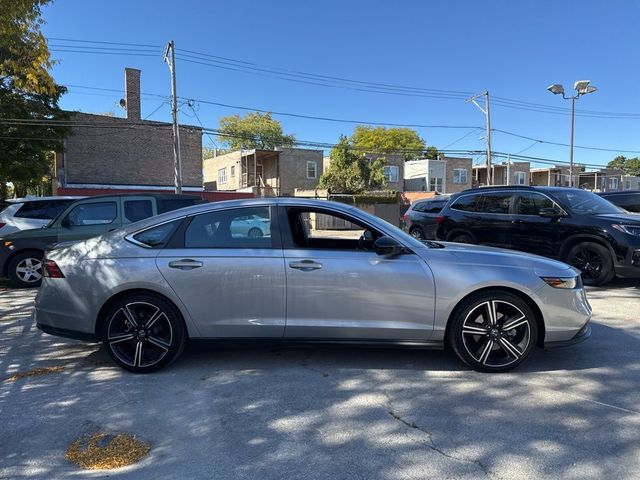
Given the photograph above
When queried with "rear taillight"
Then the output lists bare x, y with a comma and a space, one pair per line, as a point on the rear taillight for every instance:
50, 269
439, 219
404, 218
2, 224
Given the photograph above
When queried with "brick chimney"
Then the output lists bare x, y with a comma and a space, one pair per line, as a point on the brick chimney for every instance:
132, 93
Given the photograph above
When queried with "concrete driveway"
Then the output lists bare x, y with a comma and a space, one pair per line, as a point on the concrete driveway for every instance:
328, 412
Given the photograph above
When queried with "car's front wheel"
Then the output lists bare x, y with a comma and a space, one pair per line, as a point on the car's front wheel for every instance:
143, 333
594, 261
25, 269
493, 331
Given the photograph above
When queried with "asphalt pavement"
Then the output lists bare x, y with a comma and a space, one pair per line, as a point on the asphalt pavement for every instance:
328, 412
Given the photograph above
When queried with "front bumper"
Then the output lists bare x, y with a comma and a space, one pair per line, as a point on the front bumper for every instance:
583, 334
630, 267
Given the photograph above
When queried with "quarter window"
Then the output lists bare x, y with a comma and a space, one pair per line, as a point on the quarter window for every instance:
157, 237
466, 203
391, 173
460, 175
222, 175
101, 213
312, 170
233, 228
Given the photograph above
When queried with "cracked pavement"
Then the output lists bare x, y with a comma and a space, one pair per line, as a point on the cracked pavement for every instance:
325, 412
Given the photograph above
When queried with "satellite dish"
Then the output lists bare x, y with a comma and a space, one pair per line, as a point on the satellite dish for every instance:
123, 103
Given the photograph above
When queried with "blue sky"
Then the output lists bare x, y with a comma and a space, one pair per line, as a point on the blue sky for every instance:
513, 49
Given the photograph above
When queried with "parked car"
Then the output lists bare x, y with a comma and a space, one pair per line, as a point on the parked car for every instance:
572, 225
628, 200
420, 220
27, 213
145, 289
21, 252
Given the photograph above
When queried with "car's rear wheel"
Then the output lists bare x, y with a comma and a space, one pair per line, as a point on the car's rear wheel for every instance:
416, 232
25, 269
462, 238
594, 261
493, 331
143, 333
255, 233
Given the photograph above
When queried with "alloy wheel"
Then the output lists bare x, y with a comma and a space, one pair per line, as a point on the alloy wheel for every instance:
140, 334
29, 270
588, 261
417, 233
496, 333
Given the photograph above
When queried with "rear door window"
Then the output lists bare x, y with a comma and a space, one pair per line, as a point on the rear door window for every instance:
232, 228
139, 209
495, 202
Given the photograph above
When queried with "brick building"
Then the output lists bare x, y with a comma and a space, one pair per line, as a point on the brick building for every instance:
264, 172
445, 175
505, 173
111, 153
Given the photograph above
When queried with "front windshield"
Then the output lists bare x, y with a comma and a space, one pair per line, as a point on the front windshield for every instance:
583, 202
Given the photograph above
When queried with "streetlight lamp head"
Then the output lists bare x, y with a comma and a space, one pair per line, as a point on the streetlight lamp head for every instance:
556, 89
591, 89
581, 86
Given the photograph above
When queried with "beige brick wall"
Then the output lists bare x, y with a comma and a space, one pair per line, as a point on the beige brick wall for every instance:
293, 169
210, 169
139, 153
453, 163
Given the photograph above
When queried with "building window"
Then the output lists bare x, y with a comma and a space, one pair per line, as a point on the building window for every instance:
520, 178
222, 175
627, 185
312, 170
613, 183
435, 185
233, 171
391, 173
460, 175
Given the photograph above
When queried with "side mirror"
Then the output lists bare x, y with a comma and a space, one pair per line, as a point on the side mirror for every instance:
387, 246
549, 212
65, 223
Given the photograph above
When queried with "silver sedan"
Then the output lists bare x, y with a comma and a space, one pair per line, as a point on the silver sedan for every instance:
321, 271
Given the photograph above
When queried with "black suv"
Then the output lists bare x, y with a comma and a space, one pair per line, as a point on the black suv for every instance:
629, 199
573, 225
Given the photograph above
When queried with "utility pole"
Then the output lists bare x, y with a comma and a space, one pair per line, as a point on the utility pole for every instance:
487, 114
169, 58
508, 169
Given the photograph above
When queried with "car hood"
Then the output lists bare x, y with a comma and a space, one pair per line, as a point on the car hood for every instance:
625, 218
31, 233
481, 255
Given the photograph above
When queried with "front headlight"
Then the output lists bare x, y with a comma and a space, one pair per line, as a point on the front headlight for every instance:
563, 282
630, 229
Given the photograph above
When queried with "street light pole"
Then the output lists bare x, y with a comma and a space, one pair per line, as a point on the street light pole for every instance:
581, 87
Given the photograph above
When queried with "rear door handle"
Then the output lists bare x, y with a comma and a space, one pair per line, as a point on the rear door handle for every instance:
305, 265
517, 221
185, 264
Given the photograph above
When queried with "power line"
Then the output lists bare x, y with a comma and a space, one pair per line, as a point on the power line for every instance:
537, 140
103, 42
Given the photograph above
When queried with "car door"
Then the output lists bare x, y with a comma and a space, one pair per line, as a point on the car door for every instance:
89, 218
339, 288
533, 233
493, 219
232, 284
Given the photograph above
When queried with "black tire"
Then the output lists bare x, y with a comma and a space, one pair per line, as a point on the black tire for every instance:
159, 344
462, 238
594, 261
255, 233
416, 232
25, 269
485, 345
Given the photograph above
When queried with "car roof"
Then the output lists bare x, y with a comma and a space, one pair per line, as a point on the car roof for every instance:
42, 199
623, 192
524, 188
161, 196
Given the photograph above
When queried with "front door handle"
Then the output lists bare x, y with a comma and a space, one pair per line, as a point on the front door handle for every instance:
305, 265
185, 264
517, 221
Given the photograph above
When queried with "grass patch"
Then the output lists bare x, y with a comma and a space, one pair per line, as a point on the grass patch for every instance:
34, 373
106, 451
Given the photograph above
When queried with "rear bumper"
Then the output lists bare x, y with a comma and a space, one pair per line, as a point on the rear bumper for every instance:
583, 334
61, 332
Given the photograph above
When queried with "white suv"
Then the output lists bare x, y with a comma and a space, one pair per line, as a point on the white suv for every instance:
36, 212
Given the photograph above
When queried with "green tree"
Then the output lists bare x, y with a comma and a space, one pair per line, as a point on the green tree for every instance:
254, 130
28, 96
386, 140
630, 166
351, 172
